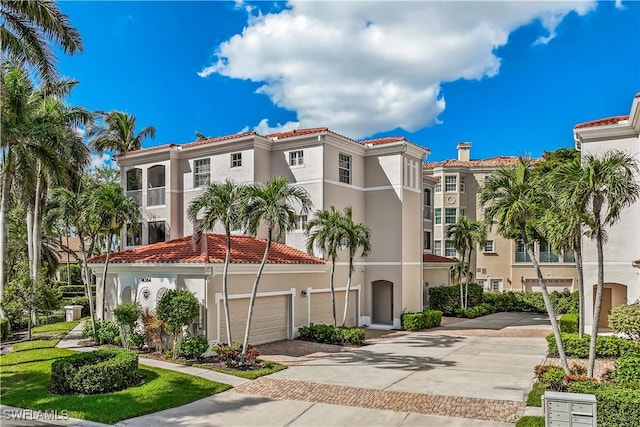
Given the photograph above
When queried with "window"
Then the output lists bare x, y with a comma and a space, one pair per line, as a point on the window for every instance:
427, 240
488, 246
301, 223
437, 188
482, 283
462, 186
427, 197
463, 212
496, 284
201, 170
449, 215
134, 234
296, 158
344, 168
157, 232
449, 250
437, 214
450, 183
437, 247
521, 252
236, 160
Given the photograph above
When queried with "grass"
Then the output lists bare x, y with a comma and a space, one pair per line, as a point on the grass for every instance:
269, 368
529, 421
25, 376
61, 328
533, 399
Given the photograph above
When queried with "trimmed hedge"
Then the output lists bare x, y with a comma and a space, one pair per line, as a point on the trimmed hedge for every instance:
421, 320
617, 406
627, 371
477, 311
329, 334
5, 329
447, 298
569, 323
96, 372
625, 319
606, 346
562, 302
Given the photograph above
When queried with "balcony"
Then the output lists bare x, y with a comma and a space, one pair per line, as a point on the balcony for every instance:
568, 257
155, 196
548, 257
522, 257
136, 195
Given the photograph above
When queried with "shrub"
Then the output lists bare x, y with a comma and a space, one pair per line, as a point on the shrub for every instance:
192, 347
617, 406
230, 355
625, 319
108, 332
606, 346
569, 323
627, 371
135, 340
84, 302
99, 371
126, 315
447, 298
177, 308
477, 311
5, 329
76, 274
562, 302
329, 334
434, 318
351, 335
154, 330
421, 320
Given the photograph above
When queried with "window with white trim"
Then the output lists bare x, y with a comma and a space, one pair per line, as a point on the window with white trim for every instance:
344, 168
449, 215
496, 284
296, 158
134, 234
301, 223
437, 188
437, 247
427, 240
157, 231
488, 246
236, 160
449, 249
450, 183
462, 185
437, 216
201, 172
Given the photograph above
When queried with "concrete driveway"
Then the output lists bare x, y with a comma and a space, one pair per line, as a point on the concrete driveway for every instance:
472, 373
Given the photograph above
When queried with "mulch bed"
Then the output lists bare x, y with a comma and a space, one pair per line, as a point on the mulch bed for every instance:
602, 364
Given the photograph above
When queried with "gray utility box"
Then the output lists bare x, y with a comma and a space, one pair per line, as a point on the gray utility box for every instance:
569, 409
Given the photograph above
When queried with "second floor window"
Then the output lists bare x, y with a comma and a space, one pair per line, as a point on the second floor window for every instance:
427, 240
462, 184
437, 247
437, 215
449, 215
427, 197
449, 249
134, 234
236, 160
488, 246
296, 158
437, 188
450, 183
301, 223
344, 168
157, 232
201, 172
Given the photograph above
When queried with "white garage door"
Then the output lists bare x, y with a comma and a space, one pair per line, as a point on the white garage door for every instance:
559, 285
270, 322
322, 309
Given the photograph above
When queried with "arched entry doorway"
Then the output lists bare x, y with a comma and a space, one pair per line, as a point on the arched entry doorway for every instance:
613, 294
382, 307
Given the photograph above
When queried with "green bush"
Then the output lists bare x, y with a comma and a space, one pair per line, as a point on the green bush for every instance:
625, 319
433, 318
562, 302
135, 340
627, 371
569, 323
477, 311
413, 321
5, 329
108, 332
329, 334
96, 372
354, 336
71, 290
617, 406
83, 301
76, 274
192, 347
447, 298
606, 346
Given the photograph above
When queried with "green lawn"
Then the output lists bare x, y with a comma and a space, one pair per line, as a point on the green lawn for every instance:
530, 421
25, 376
533, 399
61, 328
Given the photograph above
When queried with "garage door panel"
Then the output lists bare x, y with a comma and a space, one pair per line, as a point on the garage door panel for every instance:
269, 323
322, 309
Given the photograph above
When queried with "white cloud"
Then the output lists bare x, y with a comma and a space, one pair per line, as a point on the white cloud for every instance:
100, 161
366, 67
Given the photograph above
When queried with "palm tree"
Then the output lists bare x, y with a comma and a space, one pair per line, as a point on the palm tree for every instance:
117, 133
458, 234
510, 196
601, 186
358, 238
221, 203
458, 270
466, 235
325, 231
115, 209
271, 204
27, 29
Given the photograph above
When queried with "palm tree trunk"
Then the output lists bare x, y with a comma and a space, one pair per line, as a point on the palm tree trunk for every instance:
68, 261
333, 289
547, 302
346, 297
460, 284
225, 291
29, 220
466, 287
252, 300
104, 275
578, 254
87, 283
4, 204
597, 308
37, 226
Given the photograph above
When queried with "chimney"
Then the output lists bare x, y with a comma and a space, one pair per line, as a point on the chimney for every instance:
464, 151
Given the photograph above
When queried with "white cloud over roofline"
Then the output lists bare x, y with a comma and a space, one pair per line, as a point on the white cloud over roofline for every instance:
366, 67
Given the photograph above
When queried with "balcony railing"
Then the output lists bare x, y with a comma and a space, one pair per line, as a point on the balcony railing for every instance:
427, 213
522, 257
548, 257
568, 257
136, 195
155, 196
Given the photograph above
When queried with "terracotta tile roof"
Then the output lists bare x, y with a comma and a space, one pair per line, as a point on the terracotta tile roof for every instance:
144, 150
495, 162
602, 122
432, 178
386, 140
296, 132
244, 250
218, 139
436, 258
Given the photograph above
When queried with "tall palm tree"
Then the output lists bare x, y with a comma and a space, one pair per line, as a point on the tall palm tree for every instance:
325, 231
222, 204
466, 235
458, 270
457, 233
115, 209
511, 197
117, 133
271, 204
27, 29
601, 186
358, 237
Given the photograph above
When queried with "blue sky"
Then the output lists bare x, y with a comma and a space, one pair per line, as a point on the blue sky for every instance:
512, 78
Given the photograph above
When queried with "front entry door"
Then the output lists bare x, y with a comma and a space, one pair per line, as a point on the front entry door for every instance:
605, 309
382, 302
